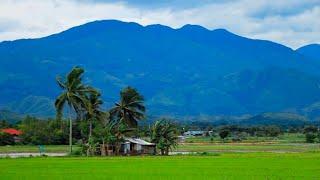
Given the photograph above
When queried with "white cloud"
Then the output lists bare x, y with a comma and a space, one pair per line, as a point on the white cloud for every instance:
293, 23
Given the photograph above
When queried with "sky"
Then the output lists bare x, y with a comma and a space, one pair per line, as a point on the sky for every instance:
294, 23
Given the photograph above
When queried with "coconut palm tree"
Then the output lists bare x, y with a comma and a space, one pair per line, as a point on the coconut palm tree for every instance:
73, 94
130, 109
93, 112
93, 108
163, 134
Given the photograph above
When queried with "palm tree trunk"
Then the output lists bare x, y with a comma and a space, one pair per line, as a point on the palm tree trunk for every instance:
89, 138
117, 151
167, 151
103, 149
107, 147
70, 130
90, 128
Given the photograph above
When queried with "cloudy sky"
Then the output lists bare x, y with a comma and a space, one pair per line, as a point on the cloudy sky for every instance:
290, 22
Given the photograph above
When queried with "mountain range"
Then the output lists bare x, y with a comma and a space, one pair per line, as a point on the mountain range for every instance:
189, 71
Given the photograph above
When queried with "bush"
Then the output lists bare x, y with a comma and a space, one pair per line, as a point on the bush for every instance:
310, 129
236, 139
224, 133
77, 152
207, 154
6, 139
203, 153
311, 137
273, 131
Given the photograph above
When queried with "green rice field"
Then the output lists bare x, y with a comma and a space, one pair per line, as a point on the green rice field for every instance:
217, 166
248, 147
273, 159
191, 147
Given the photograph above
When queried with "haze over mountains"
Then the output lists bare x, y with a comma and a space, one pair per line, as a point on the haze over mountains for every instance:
188, 71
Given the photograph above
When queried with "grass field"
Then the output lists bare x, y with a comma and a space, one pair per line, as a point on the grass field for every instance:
248, 147
283, 138
221, 166
274, 159
34, 149
191, 147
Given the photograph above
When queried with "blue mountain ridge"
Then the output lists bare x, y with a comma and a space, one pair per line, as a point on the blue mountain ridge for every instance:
186, 71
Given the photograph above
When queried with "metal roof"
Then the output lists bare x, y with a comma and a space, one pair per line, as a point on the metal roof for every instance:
139, 141
11, 131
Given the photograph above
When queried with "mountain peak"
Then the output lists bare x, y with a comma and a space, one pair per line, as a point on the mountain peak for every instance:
315, 45
100, 24
311, 51
158, 27
193, 27
222, 31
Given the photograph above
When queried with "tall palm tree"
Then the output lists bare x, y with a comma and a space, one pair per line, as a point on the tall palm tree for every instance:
93, 112
130, 109
93, 108
73, 94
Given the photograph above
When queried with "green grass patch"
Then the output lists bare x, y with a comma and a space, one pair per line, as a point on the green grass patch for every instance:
224, 166
35, 149
248, 147
283, 138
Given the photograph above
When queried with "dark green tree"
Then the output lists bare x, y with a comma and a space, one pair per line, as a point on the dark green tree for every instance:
43, 131
224, 133
4, 124
163, 134
311, 137
6, 139
105, 133
94, 114
73, 94
130, 109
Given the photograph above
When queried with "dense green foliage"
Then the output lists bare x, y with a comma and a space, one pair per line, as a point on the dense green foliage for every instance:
39, 131
224, 133
6, 139
312, 134
48, 131
4, 124
164, 135
130, 109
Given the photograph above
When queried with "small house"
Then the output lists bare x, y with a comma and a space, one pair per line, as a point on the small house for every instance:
132, 146
136, 146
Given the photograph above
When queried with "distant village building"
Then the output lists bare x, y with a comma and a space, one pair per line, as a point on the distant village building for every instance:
133, 146
13, 132
197, 133
194, 133
181, 139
